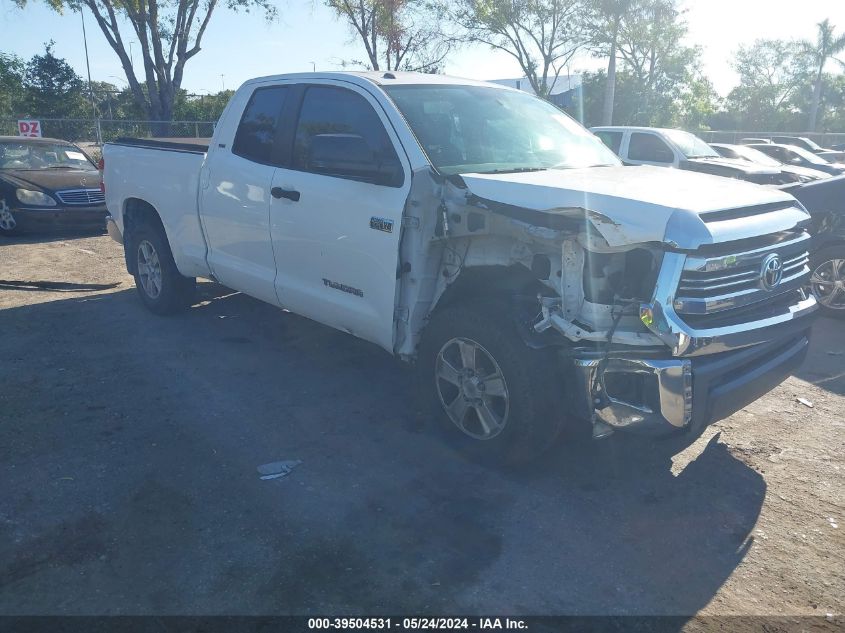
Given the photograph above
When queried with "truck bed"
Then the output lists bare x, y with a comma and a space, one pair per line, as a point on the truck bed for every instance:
165, 175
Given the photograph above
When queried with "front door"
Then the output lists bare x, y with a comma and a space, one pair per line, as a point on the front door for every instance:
336, 230
235, 198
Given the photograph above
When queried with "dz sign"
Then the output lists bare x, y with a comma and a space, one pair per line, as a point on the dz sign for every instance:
29, 127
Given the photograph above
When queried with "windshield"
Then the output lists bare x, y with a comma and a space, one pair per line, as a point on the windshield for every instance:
690, 145
755, 156
808, 156
24, 155
474, 129
811, 144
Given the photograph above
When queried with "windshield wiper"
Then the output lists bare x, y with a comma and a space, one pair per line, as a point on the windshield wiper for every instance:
61, 167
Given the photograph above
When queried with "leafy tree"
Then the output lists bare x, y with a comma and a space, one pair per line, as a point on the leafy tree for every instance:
11, 84
541, 35
53, 89
819, 53
396, 34
769, 78
169, 32
201, 107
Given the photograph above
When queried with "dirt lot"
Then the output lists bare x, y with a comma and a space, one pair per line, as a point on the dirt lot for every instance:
129, 446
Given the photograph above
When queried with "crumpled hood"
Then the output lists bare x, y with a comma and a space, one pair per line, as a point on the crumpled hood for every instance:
634, 205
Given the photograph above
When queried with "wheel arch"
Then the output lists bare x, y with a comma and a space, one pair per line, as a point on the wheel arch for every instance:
514, 285
137, 211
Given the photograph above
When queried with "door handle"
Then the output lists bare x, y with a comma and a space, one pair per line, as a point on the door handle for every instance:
290, 194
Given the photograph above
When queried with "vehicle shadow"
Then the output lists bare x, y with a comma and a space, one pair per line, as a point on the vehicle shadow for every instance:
132, 485
54, 286
827, 348
54, 235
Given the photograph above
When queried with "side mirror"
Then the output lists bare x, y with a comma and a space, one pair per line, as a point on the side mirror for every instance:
349, 156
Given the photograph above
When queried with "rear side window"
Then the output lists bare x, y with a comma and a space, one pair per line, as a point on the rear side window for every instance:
337, 111
256, 134
612, 139
649, 147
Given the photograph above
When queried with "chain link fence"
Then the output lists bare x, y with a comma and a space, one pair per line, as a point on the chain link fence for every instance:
88, 131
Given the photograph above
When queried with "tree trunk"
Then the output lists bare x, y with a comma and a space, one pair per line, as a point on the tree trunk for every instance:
610, 84
816, 103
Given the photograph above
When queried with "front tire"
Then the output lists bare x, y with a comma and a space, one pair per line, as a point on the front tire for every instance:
497, 399
827, 281
8, 224
161, 287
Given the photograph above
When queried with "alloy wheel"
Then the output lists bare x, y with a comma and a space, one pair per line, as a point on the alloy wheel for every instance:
149, 269
472, 388
7, 220
828, 283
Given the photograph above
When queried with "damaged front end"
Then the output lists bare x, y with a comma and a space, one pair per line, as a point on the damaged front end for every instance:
660, 314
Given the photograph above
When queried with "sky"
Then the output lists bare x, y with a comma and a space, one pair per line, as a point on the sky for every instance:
238, 46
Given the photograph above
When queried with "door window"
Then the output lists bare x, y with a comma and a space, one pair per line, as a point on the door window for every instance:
650, 148
612, 139
256, 134
339, 134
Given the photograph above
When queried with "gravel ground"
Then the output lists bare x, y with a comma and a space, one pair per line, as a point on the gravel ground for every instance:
129, 446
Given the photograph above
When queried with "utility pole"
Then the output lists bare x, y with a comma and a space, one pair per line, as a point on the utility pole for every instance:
90, 87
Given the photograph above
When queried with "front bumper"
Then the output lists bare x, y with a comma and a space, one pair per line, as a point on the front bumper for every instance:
113, 230
682, 394
67, 218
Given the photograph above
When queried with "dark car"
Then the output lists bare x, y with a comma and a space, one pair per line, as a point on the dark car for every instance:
48, 183
825, 200
747, 153
793, 155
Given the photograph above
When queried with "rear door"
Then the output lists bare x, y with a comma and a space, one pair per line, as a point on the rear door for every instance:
335, 230
647, 148
235, 196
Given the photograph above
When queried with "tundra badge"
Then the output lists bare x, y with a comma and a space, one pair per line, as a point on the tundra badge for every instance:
381, 224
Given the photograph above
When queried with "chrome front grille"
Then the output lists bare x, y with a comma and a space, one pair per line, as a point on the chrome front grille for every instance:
715, 284
81, 196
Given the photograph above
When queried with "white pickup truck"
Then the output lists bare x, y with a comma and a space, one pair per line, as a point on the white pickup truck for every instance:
486, 237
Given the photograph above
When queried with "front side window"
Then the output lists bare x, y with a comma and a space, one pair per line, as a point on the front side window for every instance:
478, 129
38, 155
650, 148
256, 134
690, 145
339, 134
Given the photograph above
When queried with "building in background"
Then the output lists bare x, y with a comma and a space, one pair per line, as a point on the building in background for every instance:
563, 93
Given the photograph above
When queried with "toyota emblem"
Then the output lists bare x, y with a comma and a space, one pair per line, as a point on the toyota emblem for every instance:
771, 273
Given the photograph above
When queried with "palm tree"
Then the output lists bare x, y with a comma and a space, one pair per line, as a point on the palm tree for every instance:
820, 52
605, 20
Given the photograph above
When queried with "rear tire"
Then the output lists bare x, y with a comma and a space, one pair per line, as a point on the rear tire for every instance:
497, 399
160, 285
827, 280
